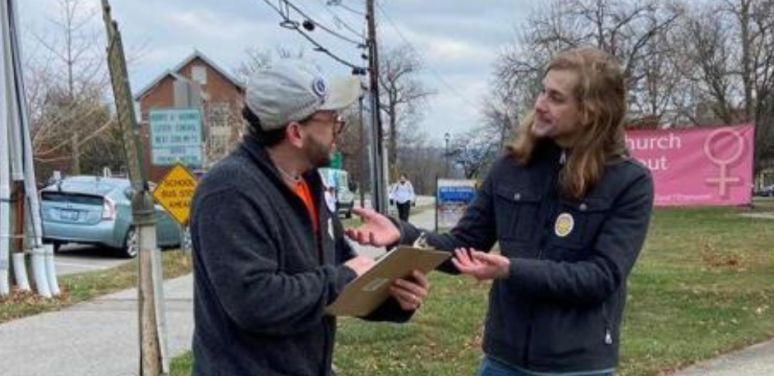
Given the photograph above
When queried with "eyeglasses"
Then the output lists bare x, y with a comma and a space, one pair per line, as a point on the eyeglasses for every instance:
338, 123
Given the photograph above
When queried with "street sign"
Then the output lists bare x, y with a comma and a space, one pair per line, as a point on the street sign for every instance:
336, 160
175, 192
176, 136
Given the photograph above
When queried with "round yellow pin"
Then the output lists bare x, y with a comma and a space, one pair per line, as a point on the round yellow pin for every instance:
564, 225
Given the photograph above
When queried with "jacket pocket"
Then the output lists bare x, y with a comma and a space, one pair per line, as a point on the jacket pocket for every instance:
516, 211
577, 223
574, 334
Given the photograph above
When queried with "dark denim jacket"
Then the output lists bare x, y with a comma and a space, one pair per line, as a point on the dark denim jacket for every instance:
560, 309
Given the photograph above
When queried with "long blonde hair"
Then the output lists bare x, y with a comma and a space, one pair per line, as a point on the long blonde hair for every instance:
601, 94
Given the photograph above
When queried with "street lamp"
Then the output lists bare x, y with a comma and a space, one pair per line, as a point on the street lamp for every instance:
446, 137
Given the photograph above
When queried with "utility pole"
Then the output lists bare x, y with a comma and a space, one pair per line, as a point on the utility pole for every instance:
378, 184
446, 138
363, 162
150, 299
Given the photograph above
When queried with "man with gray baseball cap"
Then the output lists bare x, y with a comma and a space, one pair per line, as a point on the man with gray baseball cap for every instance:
269, 251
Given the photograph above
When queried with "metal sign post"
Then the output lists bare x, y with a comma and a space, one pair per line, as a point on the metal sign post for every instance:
153, 359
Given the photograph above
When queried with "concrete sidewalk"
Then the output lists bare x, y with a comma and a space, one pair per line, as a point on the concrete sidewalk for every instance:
94, 338
756, 360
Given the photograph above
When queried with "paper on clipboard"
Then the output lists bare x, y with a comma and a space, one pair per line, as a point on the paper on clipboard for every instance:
361, 296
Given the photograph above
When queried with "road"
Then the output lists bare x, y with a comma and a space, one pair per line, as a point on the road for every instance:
79, 258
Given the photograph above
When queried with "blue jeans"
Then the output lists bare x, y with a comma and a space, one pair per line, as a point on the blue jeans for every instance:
493, 367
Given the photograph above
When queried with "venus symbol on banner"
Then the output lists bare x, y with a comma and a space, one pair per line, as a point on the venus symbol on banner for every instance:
723, 180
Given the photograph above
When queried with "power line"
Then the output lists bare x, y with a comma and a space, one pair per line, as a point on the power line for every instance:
320, 48
293, 25
338, 3
321, 26
338, 21
451, 88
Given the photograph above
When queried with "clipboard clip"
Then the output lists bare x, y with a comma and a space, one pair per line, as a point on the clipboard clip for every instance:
421, 241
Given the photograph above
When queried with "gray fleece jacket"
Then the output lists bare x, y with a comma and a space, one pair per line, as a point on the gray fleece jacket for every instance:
262, 276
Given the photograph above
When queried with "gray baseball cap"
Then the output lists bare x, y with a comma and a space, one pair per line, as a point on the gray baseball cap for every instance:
292, 90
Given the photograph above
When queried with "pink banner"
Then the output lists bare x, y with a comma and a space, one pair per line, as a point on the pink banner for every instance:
697, 166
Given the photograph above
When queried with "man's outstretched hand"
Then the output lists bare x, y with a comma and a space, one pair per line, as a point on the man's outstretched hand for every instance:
376, 230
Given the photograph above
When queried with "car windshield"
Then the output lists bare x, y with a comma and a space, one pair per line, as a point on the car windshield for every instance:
95, 187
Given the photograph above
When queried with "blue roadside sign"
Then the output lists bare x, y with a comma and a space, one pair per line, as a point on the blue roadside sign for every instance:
452, 199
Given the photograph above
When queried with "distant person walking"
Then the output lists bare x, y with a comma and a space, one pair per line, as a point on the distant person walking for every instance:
402, 193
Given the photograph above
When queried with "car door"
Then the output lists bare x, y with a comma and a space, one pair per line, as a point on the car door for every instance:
167, 228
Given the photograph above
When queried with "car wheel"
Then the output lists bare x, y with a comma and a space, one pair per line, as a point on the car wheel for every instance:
131, 243
348, 214
57, 245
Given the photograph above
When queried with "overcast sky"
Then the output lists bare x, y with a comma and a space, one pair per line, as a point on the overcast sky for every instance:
458, 40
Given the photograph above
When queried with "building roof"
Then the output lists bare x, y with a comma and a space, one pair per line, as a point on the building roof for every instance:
174, 72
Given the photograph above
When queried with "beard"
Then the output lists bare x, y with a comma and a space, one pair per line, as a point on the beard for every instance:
318, 153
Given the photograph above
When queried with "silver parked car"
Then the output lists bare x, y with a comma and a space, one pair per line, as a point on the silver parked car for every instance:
97, 210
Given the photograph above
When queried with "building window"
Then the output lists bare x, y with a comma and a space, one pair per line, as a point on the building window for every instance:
199, 74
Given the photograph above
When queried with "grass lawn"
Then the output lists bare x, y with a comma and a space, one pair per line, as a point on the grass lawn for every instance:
84, 286
704, 285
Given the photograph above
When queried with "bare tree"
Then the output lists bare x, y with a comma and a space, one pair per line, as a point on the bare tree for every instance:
500, 117
686, 62
729, 45
418, 159
710, 63
66, 88
402, 94
261, 58
354, 150
755, 50
225, 127
474, 151
635, 32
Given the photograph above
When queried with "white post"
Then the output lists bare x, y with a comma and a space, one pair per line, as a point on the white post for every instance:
5, 167
43, 280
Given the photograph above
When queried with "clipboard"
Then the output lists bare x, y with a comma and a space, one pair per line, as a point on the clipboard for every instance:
361, 296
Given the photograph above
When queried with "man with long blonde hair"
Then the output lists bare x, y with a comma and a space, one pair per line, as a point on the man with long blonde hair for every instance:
570, 210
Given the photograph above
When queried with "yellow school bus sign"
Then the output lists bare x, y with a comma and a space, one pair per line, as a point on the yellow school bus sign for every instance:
175, 192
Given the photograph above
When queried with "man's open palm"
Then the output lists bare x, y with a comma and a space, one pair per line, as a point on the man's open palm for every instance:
376, 230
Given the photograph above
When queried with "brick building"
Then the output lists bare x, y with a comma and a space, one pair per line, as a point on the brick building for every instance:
196, 82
